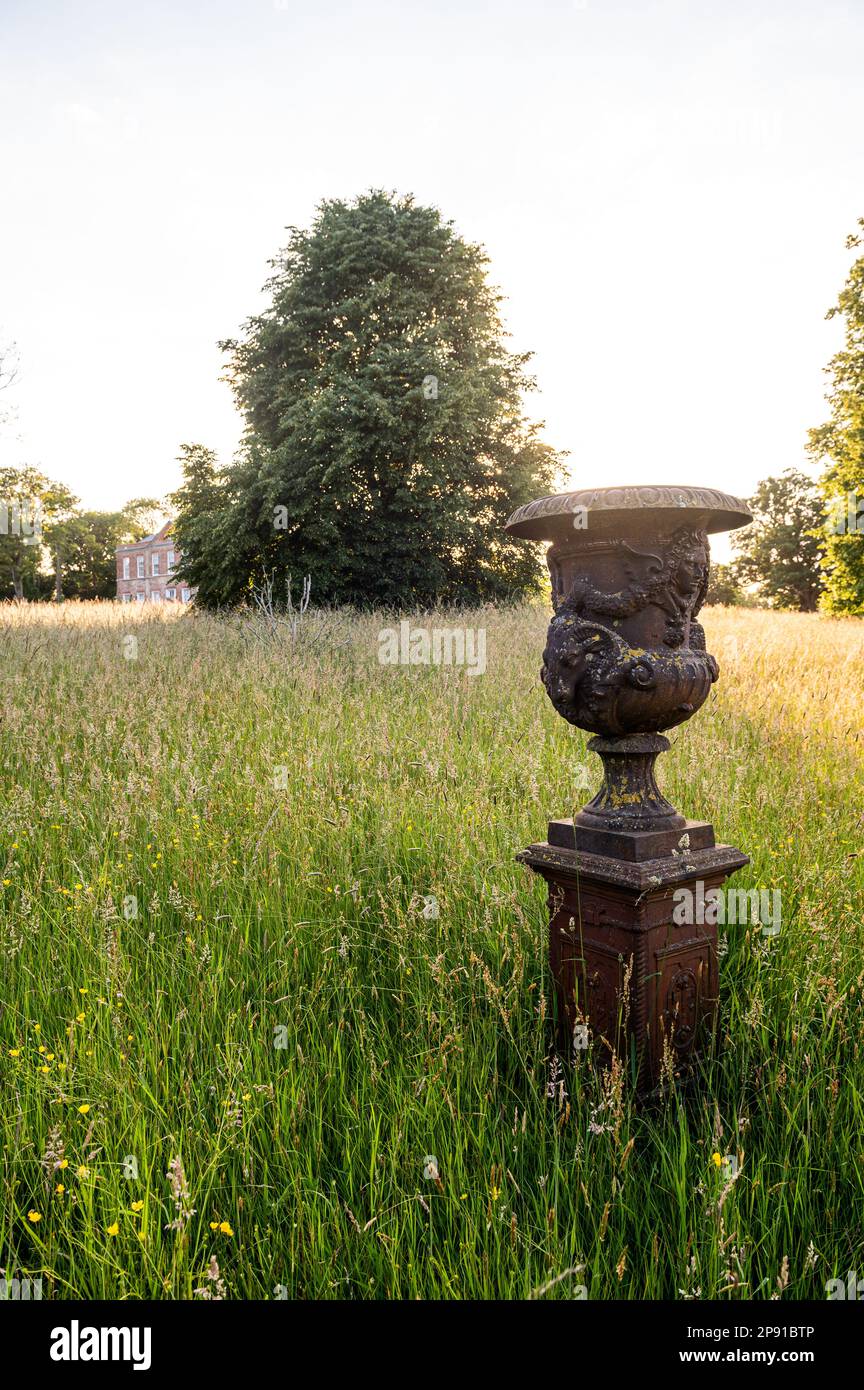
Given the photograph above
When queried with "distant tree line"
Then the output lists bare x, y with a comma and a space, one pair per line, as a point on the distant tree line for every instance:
386, 444
51, 548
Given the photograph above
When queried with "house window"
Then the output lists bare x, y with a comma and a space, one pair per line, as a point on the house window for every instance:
170, 561
155, 597
139, 598
170, 593
155, 563
125, 566
127, 598
185, 595
140, 566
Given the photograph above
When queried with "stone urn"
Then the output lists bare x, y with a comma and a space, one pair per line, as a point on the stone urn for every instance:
626, 659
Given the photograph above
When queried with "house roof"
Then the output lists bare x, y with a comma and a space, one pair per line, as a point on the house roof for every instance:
159, 535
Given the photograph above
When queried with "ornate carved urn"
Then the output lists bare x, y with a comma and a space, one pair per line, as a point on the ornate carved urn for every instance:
626, 659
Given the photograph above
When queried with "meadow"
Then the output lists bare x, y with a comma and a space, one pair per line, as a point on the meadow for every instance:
273, 1013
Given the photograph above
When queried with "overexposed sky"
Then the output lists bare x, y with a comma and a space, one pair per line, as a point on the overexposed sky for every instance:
664, 188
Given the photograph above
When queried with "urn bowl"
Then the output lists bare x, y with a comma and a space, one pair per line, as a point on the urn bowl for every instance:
625, 653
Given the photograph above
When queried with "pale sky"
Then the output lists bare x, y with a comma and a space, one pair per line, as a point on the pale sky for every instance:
664, 188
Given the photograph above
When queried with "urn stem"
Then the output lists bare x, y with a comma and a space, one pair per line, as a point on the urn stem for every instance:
630, 798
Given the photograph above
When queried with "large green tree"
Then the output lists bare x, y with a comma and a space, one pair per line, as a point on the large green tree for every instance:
838, 446
781, 552
386, 441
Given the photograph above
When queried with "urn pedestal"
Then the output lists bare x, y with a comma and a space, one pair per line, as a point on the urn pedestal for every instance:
625, 658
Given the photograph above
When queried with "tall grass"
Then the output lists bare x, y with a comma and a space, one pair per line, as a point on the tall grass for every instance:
219, 852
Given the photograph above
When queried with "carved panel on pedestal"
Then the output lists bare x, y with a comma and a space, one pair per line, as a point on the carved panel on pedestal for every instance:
686, 996
591, 981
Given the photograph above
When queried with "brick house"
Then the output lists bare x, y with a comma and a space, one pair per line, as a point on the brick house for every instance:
145, 571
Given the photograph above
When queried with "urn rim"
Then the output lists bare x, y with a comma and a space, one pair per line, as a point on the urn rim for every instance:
606, 508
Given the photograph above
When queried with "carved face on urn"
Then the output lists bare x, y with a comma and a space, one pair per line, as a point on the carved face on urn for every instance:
690, 576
